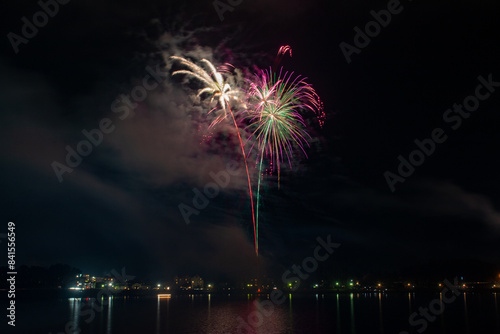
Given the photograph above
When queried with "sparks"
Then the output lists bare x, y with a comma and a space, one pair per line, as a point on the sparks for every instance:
276, 102
219, 89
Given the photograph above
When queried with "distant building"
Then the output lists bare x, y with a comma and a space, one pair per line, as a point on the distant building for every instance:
102, 282
197, 283
140, 286
189, 283
183, 283
83, 282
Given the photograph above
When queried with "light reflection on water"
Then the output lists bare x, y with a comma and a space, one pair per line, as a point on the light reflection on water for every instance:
466, 315
353, 322
441, 305
380, 317
338, 313
158, 315
497, 314
109, 320
74, 308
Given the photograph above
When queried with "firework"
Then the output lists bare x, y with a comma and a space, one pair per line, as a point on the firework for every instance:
214, 83
281, 53
276, 102
218, 88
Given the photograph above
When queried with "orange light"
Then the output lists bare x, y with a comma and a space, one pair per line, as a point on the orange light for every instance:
164, 295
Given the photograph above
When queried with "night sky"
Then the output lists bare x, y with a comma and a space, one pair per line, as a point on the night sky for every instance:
119, 207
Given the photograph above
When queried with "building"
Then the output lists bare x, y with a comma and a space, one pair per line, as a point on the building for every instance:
189, 283
183, 283
140, 286
83, 282
197, 283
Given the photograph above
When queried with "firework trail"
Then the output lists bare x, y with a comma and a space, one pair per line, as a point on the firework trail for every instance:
216, 86
276, 101
281, 53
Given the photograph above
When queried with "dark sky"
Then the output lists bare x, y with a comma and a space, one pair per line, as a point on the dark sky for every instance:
119, 208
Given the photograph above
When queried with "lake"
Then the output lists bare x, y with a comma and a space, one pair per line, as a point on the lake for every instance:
348, 313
